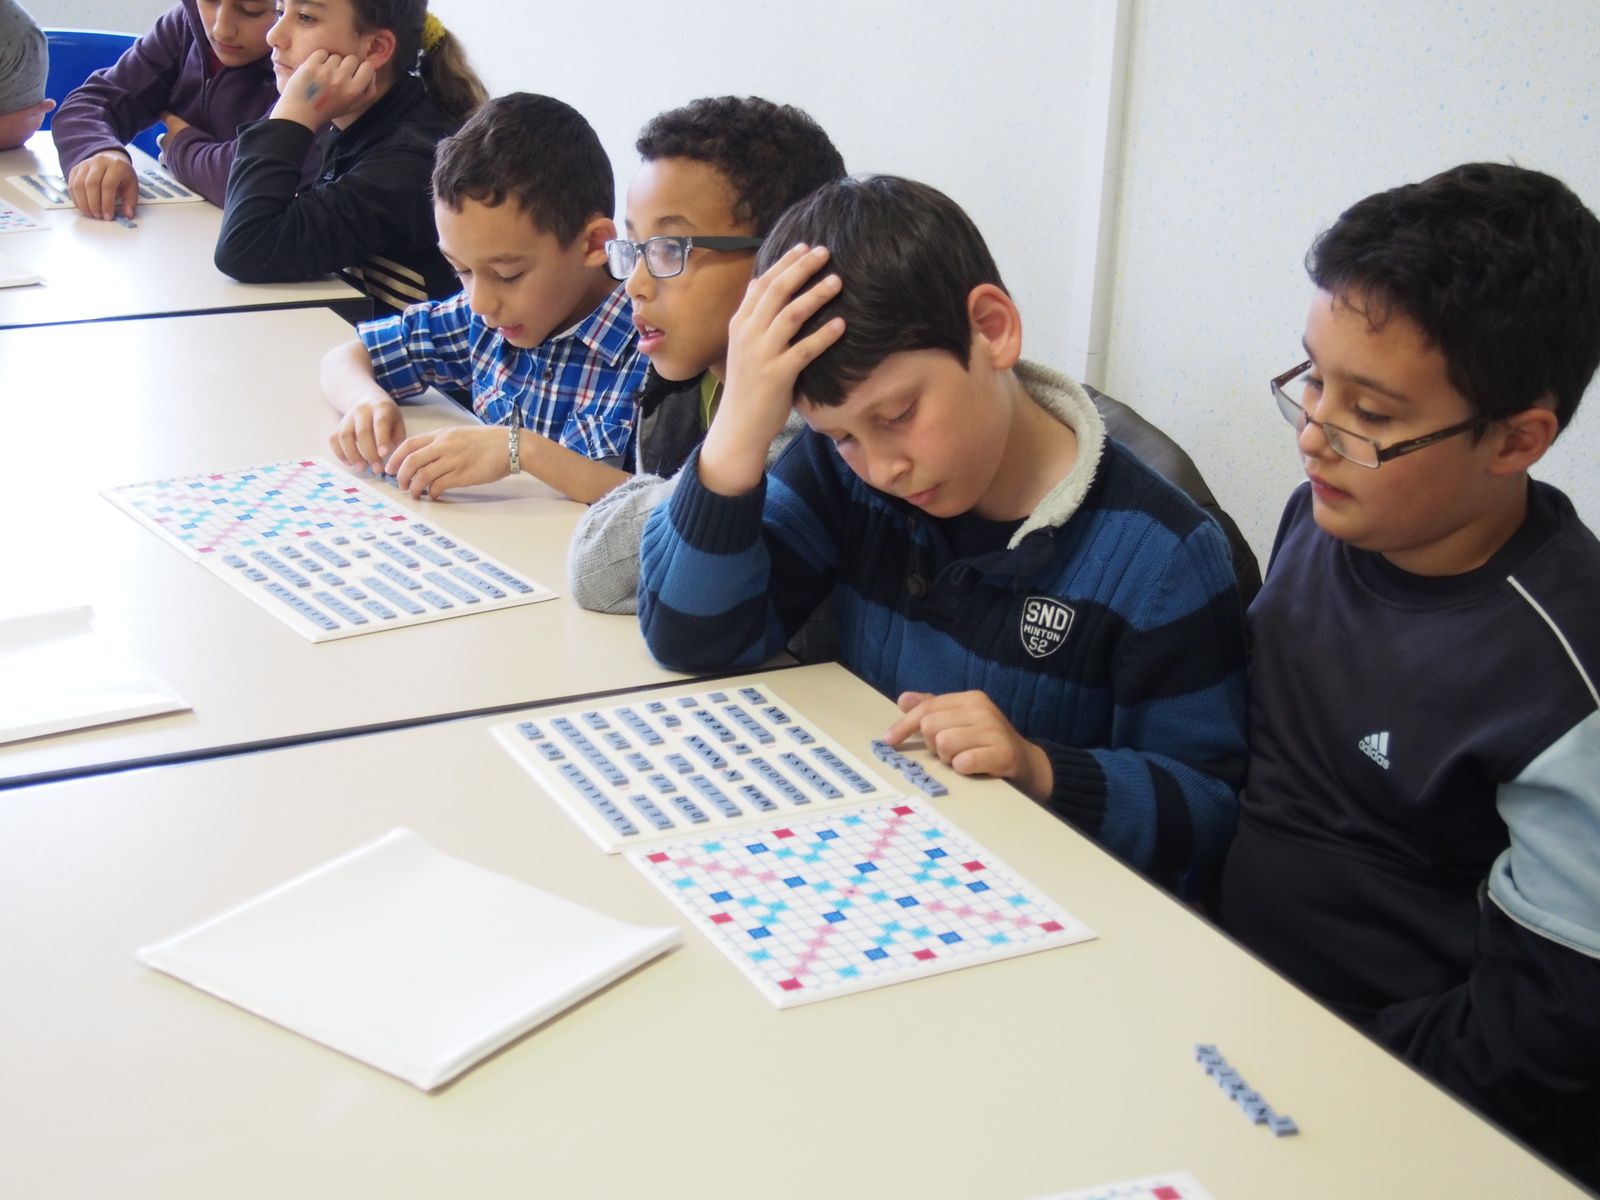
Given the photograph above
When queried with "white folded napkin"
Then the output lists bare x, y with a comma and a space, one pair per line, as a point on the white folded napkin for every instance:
410, 960
61, 674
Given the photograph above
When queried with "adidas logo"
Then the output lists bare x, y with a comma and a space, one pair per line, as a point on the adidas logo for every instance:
1376, 747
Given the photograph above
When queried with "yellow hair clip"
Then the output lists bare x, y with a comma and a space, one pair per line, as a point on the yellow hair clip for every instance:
433, 32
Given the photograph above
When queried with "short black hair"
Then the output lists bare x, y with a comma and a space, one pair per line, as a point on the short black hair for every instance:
771, 154
1497, 264
535, 149
907, 258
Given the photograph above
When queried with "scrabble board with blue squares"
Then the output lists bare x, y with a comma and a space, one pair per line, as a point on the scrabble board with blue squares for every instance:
654, 769
322, 551
839, 902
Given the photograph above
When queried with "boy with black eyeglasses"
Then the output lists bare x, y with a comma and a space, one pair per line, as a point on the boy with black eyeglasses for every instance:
1419, 841
715, 175
1044, 607
541, 336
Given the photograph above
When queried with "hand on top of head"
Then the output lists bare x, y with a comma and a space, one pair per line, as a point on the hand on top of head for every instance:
764, 359
764, 355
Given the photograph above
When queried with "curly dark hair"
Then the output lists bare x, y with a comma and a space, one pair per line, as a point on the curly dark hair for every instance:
535, 149
1497, 264
772, 154
907, 256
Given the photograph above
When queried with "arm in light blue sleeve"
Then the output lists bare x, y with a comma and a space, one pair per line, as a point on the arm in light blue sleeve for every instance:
1520, 1037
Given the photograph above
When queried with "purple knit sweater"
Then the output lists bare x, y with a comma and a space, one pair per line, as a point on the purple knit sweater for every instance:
169, 69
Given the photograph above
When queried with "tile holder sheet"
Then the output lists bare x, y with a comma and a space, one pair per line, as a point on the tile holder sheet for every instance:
662, 768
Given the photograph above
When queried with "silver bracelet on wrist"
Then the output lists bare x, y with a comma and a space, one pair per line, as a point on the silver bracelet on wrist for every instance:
511, 450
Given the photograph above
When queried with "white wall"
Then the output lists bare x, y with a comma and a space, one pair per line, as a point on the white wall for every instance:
983, 101
126, 16
1249, 128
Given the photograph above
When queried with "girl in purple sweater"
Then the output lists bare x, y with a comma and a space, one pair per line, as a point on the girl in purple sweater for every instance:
202, 70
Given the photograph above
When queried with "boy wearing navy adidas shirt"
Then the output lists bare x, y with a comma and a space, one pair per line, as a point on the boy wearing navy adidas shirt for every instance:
1044, 607
1419, 839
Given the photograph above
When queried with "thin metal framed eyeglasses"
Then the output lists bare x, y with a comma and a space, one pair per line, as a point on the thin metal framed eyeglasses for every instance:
1362, 451
666, 256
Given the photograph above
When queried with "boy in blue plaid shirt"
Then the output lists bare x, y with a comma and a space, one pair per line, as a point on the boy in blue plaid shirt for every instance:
541, 335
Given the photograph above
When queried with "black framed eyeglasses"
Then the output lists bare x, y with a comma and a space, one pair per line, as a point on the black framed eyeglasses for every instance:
1288, 390
666, 256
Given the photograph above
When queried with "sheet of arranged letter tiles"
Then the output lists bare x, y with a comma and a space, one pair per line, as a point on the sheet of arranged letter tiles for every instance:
838, 902
655, 769
155, 187
1174, 1185
322, 551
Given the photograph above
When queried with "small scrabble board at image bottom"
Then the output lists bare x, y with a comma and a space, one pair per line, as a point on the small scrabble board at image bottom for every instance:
1173, 1185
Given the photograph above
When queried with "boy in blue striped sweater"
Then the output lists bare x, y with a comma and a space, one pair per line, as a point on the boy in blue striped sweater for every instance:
1045, 608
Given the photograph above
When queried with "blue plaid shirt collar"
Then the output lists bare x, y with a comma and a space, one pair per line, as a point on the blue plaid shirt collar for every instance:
607, 331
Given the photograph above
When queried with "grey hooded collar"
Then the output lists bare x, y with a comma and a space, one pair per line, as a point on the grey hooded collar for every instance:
1064, 399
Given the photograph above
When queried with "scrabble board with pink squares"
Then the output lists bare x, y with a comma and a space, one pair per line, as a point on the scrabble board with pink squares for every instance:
325, 553
1171, 1185
810, 871
839, 902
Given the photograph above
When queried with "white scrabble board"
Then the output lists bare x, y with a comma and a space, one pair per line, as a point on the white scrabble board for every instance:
323, 552
814, 906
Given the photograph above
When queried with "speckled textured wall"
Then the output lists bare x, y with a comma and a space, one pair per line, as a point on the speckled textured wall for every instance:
1249, 128
984, 102
130, 16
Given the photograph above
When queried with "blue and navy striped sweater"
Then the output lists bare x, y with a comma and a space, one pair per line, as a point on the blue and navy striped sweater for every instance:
1109, 632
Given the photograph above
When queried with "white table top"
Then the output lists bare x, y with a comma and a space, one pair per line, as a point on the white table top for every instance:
1060, 1069
95, 270
89, 407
